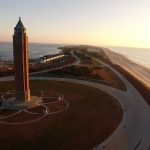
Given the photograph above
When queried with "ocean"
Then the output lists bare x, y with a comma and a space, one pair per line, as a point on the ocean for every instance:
35, 50
138, 55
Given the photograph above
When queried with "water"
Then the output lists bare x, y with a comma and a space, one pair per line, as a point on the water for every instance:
137, 55
35, 50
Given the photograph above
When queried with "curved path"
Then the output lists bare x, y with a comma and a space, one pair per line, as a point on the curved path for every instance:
135, 135
61, 67
40, 116
9, 78
132, 133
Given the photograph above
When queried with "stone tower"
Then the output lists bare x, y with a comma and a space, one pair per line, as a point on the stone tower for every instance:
20, 50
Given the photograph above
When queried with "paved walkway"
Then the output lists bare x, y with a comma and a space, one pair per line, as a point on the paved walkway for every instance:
133, 131
135, 134
45, 107
61, 67
77, 62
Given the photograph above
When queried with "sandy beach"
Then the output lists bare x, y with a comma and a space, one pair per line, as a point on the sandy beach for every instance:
136, 74
140, 72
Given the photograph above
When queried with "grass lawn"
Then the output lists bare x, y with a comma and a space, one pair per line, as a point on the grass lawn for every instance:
92, 116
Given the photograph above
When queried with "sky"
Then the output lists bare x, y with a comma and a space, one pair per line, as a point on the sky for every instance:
93, 22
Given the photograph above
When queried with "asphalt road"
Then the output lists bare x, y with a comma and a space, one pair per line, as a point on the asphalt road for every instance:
133, 131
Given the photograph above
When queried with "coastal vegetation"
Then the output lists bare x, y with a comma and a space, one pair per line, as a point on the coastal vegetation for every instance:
88, 69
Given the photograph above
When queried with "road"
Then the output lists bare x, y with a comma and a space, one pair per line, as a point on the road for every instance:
135, 135
61, 67
9, 78
132, 133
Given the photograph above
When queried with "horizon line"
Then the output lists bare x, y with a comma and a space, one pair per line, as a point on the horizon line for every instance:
81, 44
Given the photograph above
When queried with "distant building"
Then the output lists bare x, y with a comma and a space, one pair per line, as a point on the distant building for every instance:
20, 50
49, 58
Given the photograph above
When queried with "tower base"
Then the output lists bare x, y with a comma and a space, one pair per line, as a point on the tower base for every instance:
23, 96
15, 104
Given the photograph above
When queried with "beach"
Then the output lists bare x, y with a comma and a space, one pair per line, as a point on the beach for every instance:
138, 71
137, 74
136, 55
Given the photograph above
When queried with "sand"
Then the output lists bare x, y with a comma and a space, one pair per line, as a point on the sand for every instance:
140, 72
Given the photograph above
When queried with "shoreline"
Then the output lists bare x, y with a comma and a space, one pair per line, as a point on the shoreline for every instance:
136, 74
35, 50
135, 58
139, 71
